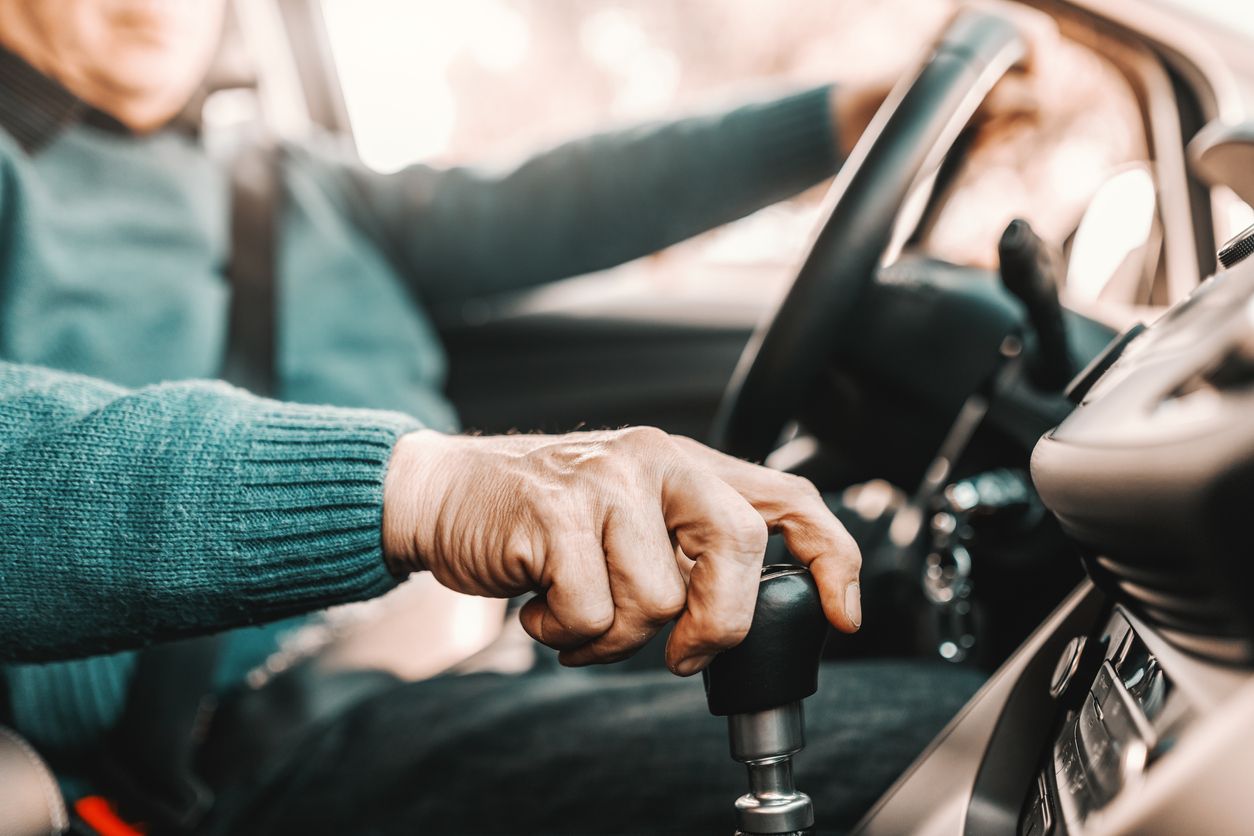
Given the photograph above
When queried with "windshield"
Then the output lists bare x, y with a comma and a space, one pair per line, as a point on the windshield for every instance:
1233, 15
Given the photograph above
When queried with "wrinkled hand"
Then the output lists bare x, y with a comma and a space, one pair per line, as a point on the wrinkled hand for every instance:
620, 532
1014, 101
1019, 96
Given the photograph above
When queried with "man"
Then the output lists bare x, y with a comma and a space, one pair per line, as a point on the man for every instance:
137, 511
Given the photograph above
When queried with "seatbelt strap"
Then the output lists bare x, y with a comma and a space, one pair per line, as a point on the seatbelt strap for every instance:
149, 764
252, 347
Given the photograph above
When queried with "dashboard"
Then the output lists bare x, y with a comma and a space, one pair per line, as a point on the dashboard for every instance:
1126, 712
1153, 472
1131, 708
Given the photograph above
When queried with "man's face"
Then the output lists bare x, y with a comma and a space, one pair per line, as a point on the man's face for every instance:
120, 55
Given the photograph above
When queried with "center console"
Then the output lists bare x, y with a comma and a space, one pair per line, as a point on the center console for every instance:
1131, 709
1125, 712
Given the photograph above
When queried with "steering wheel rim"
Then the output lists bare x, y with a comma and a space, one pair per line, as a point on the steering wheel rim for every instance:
914, 129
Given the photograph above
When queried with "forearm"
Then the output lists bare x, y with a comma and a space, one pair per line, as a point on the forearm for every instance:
132, 516
597, 202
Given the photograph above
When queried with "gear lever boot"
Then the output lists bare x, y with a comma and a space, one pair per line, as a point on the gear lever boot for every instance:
758, 686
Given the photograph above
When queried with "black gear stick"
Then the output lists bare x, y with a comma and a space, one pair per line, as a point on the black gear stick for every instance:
759, 685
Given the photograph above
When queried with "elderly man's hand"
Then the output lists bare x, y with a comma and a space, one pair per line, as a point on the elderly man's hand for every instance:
620, 532
1015, 99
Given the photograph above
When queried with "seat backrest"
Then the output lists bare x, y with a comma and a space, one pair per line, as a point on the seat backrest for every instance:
30, 800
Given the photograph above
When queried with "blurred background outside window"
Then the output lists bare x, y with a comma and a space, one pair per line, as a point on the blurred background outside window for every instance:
486, 81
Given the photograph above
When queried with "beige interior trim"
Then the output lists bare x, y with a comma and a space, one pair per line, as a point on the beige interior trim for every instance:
30, 800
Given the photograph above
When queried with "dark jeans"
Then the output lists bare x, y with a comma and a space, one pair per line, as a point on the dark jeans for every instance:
572, 752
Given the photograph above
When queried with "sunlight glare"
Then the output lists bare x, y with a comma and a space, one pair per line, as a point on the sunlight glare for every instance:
394, 58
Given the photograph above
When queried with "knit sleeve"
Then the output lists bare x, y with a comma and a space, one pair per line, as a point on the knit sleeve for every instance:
178, 509
592, 203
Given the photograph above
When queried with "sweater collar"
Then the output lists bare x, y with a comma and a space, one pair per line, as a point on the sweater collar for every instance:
34, 108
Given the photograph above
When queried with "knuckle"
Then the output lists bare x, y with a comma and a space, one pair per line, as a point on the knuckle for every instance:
666, 606
518, 557
747, 533
728, 630
844, 544
803, 488
592, 620
851, 554
644, 438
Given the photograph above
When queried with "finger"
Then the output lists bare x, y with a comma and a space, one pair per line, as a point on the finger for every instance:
577, 605
726, 539
818, 540
1040, 33
683, 561
648, 589
1015, 100
793, 507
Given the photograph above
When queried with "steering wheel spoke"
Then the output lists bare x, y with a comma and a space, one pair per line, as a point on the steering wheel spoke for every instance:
915, 129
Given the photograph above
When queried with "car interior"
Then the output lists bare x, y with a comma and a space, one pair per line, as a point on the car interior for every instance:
1036, 423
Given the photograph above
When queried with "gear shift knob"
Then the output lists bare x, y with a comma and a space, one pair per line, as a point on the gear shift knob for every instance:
778, 661
758, 685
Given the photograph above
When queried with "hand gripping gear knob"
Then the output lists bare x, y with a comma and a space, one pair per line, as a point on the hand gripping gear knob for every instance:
759, 685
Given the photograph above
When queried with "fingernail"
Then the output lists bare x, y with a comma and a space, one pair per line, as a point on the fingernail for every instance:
853, 603
693, 664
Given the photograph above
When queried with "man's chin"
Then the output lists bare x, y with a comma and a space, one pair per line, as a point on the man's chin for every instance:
143, 88
137, 75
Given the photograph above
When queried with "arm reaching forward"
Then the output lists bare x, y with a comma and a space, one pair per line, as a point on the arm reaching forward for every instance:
184, 508
128, 517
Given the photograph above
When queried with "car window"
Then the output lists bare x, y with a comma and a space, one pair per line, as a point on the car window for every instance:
1087, 131
1231, 14
488, 80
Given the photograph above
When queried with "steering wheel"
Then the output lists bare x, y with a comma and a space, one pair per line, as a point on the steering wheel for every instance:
909, 136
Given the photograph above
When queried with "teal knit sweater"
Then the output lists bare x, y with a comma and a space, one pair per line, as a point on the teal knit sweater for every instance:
136, 511
169, 511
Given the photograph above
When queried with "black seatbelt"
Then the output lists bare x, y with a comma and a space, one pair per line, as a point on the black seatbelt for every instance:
252, 348
148, 766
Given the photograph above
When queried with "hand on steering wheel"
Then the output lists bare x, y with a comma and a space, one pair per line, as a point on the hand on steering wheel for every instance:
1014, 99
909, 135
